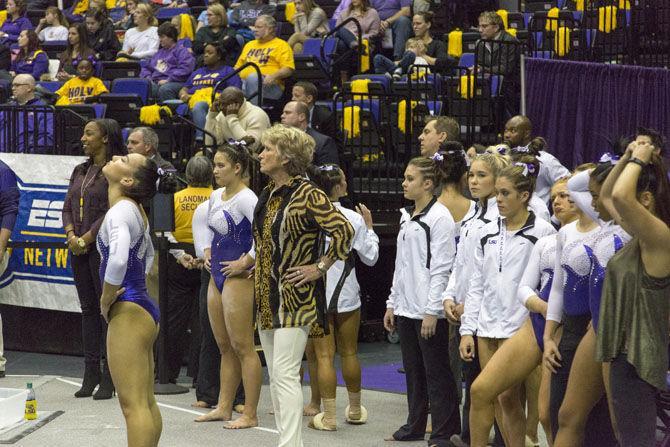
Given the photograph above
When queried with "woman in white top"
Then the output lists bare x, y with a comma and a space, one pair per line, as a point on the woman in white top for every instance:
53, 27
522, 354
230, 297
141, 42
426, 249
344, 315
492, 310
126, 253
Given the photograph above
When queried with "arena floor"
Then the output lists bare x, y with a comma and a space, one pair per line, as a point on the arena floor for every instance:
72, 422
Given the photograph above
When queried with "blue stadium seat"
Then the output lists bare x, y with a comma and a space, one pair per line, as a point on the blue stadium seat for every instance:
54, 47
52, 86
467, 60
382, 80
117, 14
134, 86
371, 105
168, 13
312, 47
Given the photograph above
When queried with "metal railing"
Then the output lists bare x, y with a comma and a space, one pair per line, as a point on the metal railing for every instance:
341, 57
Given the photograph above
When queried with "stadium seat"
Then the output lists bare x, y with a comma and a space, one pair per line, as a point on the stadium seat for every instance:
52, 86
163, 14
467, 60
134, 86
35, 15
108, 71
311, 65
117, 14
54, 48
378, 83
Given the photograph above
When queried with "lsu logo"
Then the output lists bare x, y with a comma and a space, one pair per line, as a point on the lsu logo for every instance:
493, 241
46, 214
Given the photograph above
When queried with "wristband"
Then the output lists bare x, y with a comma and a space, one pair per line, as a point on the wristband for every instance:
637, 161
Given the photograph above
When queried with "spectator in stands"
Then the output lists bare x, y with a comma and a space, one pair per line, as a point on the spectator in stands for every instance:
414, 51
127, 21
202, 18
32, 130
9, 209
15, 22
474, 150
76, 50
101, 36
217, 31
83, 212
437, 131
395, 14
309, 21
233, 117
53, 26
274, 58
435, 54
183, 276
98, 5
368, 18
170, 66
321, 118
491, 57
244, 16
185, 24
82, 86
31, 59
141, 42
518, 136
296, 114
144, 141
197, 92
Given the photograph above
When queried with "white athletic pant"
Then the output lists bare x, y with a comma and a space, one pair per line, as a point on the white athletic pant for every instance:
283, 349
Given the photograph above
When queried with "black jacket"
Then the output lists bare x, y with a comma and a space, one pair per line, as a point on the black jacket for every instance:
104, 42
323, 121
325, 150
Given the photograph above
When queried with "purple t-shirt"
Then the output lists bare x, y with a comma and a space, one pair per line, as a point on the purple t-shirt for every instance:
386, 8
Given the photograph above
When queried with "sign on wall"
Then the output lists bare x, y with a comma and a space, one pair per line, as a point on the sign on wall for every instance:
40, 277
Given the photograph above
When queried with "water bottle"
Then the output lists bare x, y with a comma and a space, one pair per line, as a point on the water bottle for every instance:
31, 403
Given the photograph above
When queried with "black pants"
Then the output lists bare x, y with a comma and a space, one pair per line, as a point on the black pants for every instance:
208, 380
598, 427
86, 270
183, 291
634, 404
430, 383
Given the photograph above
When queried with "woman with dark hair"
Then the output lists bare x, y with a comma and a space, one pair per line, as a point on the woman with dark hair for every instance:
230, 218
344, 315
31, 59
290, 218
197, 91
492, 310
15, 23
124, 243
76, 50
101, 36
435, 55
632, 335
217, 31
84, 208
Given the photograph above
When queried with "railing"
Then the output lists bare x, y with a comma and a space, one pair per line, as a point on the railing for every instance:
341, 57
28, 129
222, 82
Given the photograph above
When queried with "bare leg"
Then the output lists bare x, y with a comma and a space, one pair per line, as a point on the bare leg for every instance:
346, 333
130, 338
324, 347
585, 388
532, 386
503, 371
543, 404
216, 319
486, 347
238, 309
314, 406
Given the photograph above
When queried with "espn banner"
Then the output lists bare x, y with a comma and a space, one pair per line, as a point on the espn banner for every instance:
40, 277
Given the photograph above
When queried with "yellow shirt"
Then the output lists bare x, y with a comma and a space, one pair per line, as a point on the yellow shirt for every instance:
185, 203
269, 56
75, 91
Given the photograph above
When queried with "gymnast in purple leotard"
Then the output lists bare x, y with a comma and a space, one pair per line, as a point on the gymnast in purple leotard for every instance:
229, 298
126, 252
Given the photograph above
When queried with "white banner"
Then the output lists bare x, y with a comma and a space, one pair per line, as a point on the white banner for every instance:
40, 277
